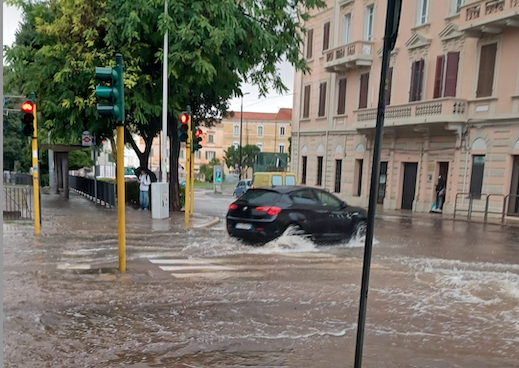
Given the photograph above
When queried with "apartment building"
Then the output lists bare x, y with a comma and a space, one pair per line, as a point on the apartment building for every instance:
452, 96
269, 131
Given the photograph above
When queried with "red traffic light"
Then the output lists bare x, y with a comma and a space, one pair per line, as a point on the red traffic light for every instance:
184, 118
27, 107
198, 133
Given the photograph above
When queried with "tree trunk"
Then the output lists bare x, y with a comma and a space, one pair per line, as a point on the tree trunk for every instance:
174, 190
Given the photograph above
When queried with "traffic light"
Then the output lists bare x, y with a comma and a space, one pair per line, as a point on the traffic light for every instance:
27, 118
113, 93
197, 138
183, 128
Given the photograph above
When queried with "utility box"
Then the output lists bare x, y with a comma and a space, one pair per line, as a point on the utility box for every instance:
217, 178
159, 200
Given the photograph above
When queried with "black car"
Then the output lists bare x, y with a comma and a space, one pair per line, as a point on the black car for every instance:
264, 214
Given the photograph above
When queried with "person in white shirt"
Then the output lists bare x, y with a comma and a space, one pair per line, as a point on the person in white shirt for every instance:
145, 181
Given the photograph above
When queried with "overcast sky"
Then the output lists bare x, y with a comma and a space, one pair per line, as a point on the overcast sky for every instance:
272, 103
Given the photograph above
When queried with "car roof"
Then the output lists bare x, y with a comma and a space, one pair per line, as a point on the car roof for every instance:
284, 189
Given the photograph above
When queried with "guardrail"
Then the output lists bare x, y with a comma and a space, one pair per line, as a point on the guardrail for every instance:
486, 197
105, 194
18, 203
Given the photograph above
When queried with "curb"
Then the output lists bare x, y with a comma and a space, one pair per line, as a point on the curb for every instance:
213, 222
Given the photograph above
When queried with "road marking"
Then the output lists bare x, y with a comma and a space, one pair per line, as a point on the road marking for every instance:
77, 266
201, 267
180, 261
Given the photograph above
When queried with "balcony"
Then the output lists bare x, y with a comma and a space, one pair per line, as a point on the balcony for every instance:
425, 113
353, 55
488, 16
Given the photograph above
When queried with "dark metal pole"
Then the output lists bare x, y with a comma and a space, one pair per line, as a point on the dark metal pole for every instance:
392, 20
241, 136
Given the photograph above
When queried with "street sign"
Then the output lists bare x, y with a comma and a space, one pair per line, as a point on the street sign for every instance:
86, 139
217, 178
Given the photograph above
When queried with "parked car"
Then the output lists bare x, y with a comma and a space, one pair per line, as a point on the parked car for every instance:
242, 187
264, 214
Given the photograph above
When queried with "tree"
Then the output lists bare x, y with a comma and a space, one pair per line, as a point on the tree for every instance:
249, 153
232, 157
215, 45
208, 169
80, 159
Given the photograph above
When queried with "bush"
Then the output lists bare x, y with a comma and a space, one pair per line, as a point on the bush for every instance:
182, 196
44, 180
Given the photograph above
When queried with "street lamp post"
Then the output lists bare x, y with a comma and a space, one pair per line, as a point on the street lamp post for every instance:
241, 134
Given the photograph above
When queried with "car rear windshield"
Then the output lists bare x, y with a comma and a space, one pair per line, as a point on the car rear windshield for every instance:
260, 197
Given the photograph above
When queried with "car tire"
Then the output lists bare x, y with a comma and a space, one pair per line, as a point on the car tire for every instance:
360, 228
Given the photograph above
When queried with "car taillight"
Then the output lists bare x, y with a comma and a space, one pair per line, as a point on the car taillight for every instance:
271, 211
232, 206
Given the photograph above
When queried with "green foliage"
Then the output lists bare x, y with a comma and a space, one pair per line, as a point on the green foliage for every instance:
249, 153
80, 159
208, 169
232, 157
289, 148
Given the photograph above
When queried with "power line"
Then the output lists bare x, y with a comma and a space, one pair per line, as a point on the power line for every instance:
269, 98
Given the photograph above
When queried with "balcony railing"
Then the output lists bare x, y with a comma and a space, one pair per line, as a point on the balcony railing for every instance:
353, 55
445, 110
489, 16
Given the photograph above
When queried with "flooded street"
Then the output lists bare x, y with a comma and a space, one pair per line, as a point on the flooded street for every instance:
443, 294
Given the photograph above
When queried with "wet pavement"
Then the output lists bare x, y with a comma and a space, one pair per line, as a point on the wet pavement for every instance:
443, 294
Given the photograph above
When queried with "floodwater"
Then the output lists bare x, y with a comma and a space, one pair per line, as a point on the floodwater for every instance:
443, 294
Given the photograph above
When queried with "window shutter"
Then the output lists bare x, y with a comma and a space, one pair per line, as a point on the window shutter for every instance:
389, 85
322, 99
309, 43
341, 105
438, 76
451, 74
421, 65
411, 87
306, 103
363, 96
487, 64
326, 36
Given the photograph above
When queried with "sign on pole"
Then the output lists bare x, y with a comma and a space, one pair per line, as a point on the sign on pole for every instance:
86, 139
217, 178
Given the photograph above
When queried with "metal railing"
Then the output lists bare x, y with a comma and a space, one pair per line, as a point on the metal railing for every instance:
85, 186
486, 197
18, 203
17, 179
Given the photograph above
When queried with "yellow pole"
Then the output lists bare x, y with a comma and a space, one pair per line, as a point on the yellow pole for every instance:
35, 174
192, 202
121, 198
187, 196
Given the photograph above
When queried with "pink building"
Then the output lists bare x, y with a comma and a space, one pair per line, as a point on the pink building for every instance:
453, 103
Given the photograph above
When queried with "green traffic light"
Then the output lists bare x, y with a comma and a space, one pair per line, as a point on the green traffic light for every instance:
115, 93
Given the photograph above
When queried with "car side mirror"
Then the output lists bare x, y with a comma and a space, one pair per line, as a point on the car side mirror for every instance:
343, 205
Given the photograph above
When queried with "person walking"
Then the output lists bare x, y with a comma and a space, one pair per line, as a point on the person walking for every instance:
440, 194
145, 182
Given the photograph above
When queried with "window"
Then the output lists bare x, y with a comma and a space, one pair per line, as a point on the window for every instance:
260, 131
357, 190
341, 103
319, 171
306, 102
389, 85
328, 200
476, 178
281, 148
446, 75
423, 6
236, 145
282, 131
198, 154
210, 138
346, 29
236, 130
368, 23
363, 93
304, 197
151, 152
322, 100
309, 44
415, 92
303, 170
290, 180
277, 180
326, 36
338, 174
487, 64
209, 155
456, 6
181, 153
260, 146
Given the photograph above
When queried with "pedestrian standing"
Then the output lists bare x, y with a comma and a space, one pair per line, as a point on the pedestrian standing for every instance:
440, 194
145, 182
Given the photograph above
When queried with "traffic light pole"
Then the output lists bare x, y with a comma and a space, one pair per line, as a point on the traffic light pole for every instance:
121, 198
35, 171
391, 31
192, 202
187, 193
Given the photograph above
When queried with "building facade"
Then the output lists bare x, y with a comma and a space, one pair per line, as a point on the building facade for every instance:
452, 103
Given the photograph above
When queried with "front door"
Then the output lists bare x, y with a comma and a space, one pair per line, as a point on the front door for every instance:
382, 182
513, 202
409, 187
